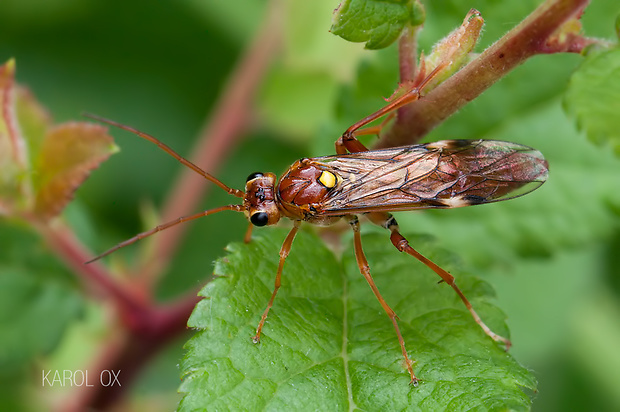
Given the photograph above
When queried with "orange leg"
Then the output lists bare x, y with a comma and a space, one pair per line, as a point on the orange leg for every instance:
362, 263
284, 251
386, 220
248, 234
348, 141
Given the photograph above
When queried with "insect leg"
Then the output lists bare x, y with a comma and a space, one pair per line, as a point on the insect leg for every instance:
362, 263
248, 234
236, 208
402, 245
284, 251
348, 141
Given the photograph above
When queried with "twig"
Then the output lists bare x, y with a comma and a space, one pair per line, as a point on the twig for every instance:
94, 276
528, 38
127, 351
407, 55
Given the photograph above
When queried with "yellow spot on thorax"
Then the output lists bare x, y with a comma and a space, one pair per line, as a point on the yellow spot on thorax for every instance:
327, 179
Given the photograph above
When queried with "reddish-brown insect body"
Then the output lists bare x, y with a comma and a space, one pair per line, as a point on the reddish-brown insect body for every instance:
322, 190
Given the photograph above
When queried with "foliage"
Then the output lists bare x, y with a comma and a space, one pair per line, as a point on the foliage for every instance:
550, 255
329, 345
41, 166
378, 23
592, 97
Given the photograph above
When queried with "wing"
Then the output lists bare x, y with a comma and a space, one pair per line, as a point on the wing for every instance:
444, 174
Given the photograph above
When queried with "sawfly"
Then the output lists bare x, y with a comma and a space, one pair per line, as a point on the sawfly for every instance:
372, 183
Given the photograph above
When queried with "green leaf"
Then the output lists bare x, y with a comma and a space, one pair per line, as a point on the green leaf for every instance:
454, 49
378, 23
327, 343
593, 97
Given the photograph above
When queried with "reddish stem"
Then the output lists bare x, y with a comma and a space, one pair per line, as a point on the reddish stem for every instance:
95, 278
129, 350
407, 55
8, 115
528, 38
144, 329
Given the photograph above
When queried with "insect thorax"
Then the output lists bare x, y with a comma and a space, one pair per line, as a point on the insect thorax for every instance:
303, 189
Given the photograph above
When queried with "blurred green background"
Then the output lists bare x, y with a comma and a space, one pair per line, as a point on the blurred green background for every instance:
161, 66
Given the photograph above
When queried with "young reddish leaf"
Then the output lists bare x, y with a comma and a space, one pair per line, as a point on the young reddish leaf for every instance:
13, 150
61, 157
33, 119
455, 48
68, 154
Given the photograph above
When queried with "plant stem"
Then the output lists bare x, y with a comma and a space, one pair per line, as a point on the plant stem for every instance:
407, 56
95, 278
127, 351
528, 38
143, 328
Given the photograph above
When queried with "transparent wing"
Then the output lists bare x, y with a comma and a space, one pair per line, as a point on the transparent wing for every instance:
444, 174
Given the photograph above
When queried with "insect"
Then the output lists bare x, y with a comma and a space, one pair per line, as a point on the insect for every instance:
373, 183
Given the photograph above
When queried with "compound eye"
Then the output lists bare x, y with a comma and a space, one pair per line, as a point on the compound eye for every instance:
259, 219
253, 176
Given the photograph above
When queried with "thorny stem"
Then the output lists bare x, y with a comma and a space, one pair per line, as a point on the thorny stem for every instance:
527, 39
407, 55
221, 133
